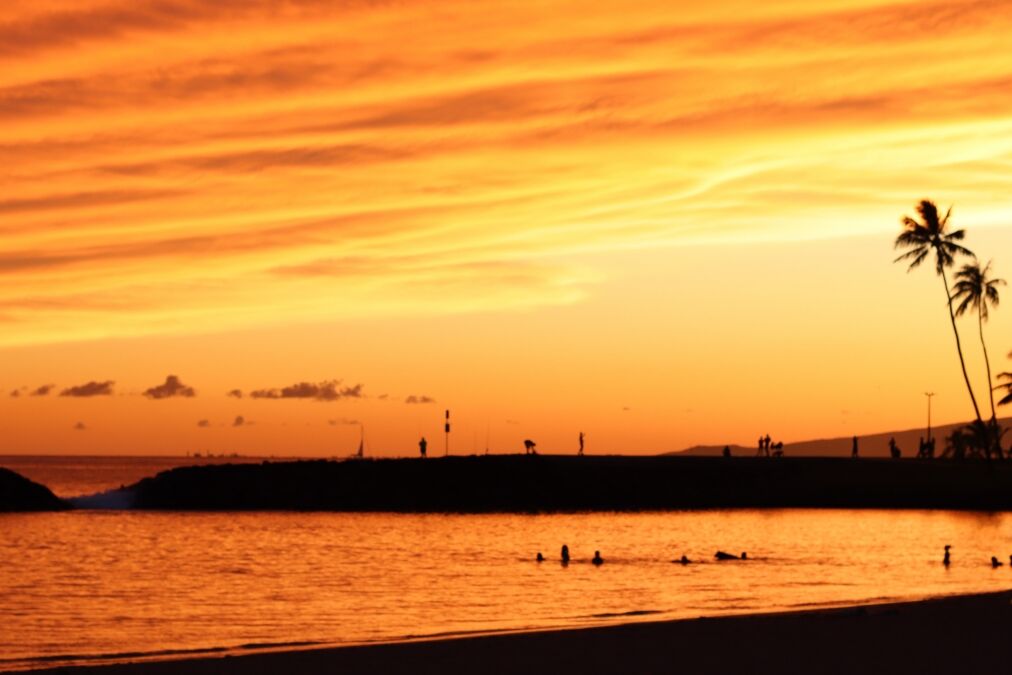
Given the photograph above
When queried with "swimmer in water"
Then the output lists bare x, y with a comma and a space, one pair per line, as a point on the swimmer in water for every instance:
598, 560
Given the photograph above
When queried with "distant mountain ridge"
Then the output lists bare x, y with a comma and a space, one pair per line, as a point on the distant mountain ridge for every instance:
870, 445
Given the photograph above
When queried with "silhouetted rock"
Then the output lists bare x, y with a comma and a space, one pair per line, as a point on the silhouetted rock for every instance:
568, 483
17, 493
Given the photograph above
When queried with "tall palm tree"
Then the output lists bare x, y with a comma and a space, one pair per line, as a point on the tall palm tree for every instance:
975, 289
931, 234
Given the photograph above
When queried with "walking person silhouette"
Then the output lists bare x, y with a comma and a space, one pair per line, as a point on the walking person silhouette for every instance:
581, 444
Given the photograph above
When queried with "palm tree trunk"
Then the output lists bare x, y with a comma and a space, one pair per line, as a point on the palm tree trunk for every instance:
993, 426
987, 363
959, 347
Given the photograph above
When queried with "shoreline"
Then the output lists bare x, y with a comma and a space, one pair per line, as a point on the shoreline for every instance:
948, 634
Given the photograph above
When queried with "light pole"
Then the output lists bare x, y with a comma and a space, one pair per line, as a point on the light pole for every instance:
446, 429
929, 394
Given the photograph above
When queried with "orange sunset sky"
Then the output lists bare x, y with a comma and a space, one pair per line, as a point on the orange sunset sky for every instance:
660, 223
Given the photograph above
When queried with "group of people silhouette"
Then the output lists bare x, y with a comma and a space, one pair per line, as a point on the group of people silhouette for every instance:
684, 560
530, 447
564, 557
995, 563
766, 445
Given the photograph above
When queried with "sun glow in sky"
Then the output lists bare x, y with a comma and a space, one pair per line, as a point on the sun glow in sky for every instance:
661, 223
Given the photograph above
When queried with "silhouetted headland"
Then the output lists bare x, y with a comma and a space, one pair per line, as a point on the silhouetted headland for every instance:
17, 493
534, 483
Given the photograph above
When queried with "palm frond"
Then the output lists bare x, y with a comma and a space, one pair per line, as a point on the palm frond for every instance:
916, 257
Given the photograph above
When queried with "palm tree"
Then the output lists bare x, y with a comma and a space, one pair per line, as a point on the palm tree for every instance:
974, 288
931, 234
1007, 386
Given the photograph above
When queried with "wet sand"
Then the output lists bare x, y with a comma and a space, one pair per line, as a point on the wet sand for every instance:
961, 634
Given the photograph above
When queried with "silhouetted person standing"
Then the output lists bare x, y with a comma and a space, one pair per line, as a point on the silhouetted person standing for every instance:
565, 554
581, 444
727, 450
598, 560
760, 452
529, 447
945, 560
423, 446
894, 450
853, 448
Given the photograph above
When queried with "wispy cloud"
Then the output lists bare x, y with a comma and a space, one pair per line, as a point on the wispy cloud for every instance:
43, 390
172, 387
92, 388
328, 390
413, 399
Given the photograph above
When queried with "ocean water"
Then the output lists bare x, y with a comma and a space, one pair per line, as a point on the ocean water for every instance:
73, 476
96, 586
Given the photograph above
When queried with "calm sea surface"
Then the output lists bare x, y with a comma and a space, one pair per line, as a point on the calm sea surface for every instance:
97, 585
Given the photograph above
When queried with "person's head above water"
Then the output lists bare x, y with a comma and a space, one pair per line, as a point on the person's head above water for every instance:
684, 560
540, 557
565, 552
744, 556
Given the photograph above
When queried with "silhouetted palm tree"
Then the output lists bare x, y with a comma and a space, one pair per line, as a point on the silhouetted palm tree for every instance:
1007, 386
930, 234
974, 288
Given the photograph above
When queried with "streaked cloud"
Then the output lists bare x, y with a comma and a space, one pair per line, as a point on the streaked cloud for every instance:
43, 390
175, 163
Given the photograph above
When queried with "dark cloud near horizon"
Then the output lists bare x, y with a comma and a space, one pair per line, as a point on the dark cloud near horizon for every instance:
203, 424
172, 387
342, 421
235, 393
91, 388
413, 399
43, 390
328, 390
80, 427
239, 421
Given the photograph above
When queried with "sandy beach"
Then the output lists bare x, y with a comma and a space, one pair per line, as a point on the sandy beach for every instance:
961, 634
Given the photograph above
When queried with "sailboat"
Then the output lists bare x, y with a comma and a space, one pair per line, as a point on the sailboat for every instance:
361, 442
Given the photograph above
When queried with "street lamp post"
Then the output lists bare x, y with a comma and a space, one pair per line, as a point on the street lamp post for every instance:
929, 394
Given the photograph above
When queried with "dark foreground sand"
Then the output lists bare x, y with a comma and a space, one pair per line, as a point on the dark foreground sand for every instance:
964, 634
